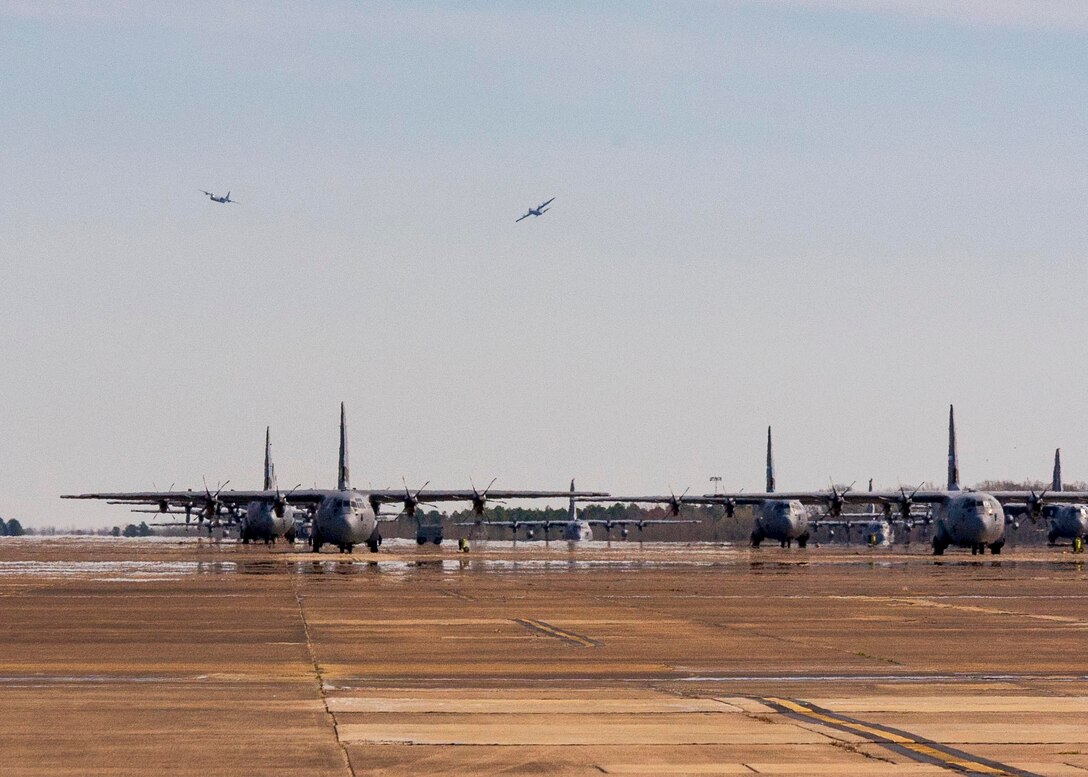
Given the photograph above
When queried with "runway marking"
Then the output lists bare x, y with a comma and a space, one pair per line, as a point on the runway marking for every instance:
896, 740
548, 630
922, 601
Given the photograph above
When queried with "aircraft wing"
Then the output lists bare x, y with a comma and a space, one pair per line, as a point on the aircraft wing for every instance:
469, 495
1026, 497
200, 498
549, 202
823, 497
527, 215
627, 522
687, 500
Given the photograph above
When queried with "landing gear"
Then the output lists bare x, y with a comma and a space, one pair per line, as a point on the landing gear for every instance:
757, 537
374, 542
421, 540
995, 547
346, 547
1052, 538
290, 536
317, 542
802, 541
939, 545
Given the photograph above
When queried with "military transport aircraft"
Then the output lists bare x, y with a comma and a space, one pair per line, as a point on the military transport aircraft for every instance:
783, 519
223, 200
344, 516
964, 518
260, 522
576, 529
539, 210
1069, 522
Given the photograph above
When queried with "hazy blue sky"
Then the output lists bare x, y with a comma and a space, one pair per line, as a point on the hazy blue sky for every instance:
834, 217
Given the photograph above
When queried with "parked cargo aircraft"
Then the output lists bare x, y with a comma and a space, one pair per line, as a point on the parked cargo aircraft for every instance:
575, 529
1065, 522
963, 518
261, 521
783, 519
344, 516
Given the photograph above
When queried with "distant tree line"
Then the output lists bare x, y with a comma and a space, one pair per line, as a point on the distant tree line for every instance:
11, 528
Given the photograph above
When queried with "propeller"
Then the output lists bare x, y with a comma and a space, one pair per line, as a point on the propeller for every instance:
1035, 505
411, 501
837, 500
211, 507
279, 505
906, 503
675, 502
479, 500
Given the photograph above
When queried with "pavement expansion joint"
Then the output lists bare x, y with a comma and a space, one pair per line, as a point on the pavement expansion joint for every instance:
902, 742
321, 683
547, 630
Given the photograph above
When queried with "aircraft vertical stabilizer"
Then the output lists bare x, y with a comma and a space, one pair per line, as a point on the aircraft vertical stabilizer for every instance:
343, 478
570, 505
953, 458
770, 464
1056, 482
268, 459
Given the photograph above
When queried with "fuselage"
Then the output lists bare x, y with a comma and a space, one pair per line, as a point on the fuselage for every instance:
781, 520
577, 531
969, 519
345, 519
261, 524
1066, 522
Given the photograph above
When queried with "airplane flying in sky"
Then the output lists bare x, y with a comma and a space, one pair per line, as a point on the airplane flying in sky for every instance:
576, 529
223, 200
539, 210
343, 517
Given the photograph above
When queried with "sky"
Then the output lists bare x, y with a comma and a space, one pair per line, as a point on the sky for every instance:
835, 218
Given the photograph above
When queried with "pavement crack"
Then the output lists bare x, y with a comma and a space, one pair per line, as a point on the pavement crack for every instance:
321, 683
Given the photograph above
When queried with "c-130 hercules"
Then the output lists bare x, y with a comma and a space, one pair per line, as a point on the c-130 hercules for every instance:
343, 517
961, 518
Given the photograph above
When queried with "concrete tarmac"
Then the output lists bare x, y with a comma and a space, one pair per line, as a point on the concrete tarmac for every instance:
133, 657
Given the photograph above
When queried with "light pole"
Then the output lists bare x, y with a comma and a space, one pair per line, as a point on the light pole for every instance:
716, 480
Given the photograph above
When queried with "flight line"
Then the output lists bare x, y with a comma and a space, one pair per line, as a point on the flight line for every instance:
344, 517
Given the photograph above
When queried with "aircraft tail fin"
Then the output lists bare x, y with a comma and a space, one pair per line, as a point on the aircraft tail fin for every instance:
571, 514
770, 463
953, 457
343, 478
1056, 481
268, 477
